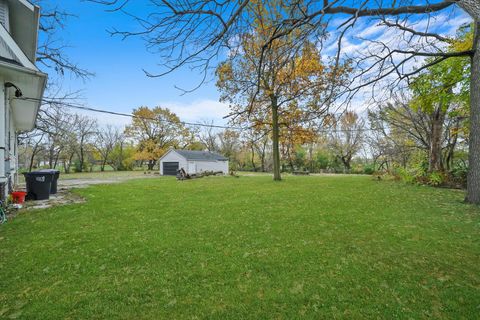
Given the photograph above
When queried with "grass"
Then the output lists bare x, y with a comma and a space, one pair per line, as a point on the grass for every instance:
101, 175
96, 175
246, 248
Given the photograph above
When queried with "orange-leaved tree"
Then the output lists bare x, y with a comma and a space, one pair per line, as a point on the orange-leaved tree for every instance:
155, 130
263, 77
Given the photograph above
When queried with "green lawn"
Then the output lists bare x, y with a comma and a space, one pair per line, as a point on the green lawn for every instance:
102, 175
246, 248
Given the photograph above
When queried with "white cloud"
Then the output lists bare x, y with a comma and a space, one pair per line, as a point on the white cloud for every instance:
195, 111
104, 119
199, 110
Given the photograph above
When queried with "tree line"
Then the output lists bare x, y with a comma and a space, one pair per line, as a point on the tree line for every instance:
420, 134
266, 41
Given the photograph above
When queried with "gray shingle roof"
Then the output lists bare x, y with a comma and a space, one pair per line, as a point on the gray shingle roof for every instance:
201, 155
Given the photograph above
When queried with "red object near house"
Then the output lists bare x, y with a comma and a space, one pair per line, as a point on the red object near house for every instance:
19, 196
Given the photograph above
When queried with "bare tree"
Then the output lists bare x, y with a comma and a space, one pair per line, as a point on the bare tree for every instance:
195, 33
346, 137
30, 145
229, 143
55, 123
397, 128
51, 49
208, 136
68, 153
84, 129
52, 58
106, 138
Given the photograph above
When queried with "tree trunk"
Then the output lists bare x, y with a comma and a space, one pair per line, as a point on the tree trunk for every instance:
81, 159
275, 140
34, 153
435, 156
262, 156
68, 163
104, 163
451, 149
253, 158
32, 158
51, 153
346, 163
290, 160
473, 179
55, 163
151, 164
310, 156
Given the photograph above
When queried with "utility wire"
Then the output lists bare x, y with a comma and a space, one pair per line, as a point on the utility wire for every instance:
84, 108
79, 107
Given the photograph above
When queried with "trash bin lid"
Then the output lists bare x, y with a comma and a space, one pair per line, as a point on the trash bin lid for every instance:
38, 173
48, 171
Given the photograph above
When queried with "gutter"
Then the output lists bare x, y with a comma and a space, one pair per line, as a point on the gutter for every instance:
42, 82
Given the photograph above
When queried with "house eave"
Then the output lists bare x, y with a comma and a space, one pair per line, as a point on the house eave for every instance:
24, 24
168, 152
32, 83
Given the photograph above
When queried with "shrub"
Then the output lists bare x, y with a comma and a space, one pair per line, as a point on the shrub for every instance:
405, 175
459, 171
369, 169
435, 179
76, 166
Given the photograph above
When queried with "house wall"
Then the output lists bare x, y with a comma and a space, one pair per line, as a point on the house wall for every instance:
192, 167
12, 149
3, 129
172, 156
212, 166
8, 143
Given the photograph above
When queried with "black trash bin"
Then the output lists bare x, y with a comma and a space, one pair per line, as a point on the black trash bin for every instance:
38, 185
56, 175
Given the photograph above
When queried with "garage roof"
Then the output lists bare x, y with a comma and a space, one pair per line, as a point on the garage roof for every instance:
201, 155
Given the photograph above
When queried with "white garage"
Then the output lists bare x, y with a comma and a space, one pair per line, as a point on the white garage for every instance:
192, 162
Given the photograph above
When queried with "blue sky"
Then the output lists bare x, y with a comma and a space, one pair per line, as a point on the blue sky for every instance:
119, 83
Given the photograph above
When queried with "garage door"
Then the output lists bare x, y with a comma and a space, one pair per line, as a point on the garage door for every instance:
170, 168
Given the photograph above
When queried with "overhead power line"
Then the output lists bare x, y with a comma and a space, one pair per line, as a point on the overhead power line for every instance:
84, 108
80, 107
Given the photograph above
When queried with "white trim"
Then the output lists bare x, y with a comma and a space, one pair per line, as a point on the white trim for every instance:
22, 57
36, 13
159, 160
27, 4
19, 68
42, 80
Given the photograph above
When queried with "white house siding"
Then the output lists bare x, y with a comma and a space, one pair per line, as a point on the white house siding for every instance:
172, 156
3, 130
17, 66
191, 167
8, 144
212, 166
13, 149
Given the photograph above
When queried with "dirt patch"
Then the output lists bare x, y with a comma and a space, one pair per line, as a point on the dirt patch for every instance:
63, 197
84, 183
66, 197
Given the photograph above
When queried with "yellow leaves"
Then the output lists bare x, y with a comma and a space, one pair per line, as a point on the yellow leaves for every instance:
463, 42
155, 130
329, 120
224, 72
349, 118
149, 150
294, 130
